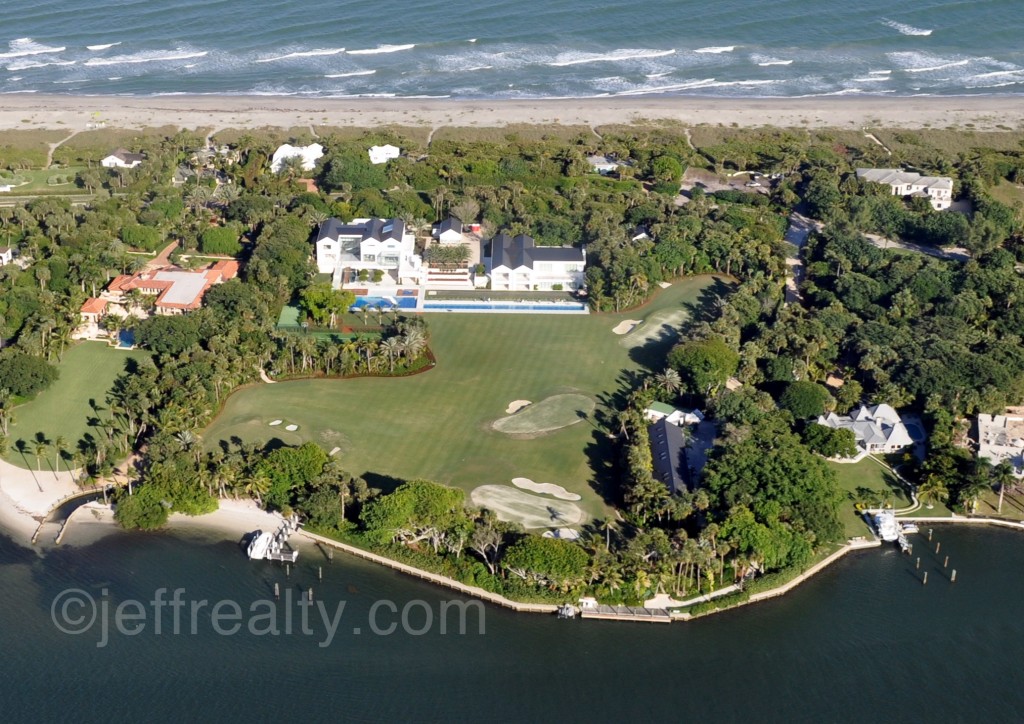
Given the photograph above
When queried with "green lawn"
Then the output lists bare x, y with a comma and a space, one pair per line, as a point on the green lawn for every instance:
64, 410
34, 181
437, 425
869, 483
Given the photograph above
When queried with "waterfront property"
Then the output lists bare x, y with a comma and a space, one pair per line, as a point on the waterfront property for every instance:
383, 154
668, 455
391, 427
518, 264
351, 252
1001, 438
122, 158
937, 189
877, 429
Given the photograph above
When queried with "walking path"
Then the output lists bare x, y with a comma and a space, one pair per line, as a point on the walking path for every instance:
874, 138
953, 254
54, 146
800, 228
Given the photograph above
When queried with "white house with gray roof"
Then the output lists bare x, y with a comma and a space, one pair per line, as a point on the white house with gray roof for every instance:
937, 189
368, 244
517, 264
1001, 438
877, 429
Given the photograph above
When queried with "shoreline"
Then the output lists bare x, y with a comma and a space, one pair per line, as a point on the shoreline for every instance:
38, 111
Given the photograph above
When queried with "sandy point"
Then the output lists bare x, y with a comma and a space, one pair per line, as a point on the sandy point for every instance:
516, 405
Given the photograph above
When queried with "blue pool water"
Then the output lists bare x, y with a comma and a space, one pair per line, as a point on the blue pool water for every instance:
126, 339
385, 302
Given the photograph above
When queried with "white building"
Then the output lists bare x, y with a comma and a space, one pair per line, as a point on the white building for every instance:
518, 264
603, 165
937, 189
309, 154
660, 411
122, 158
368, 244
383, 154
877, 429
449, 231
1001, 437
6, 255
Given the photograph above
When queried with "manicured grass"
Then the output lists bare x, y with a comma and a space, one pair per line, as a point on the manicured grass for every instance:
64, 410
36, 181
437, 425
869, 483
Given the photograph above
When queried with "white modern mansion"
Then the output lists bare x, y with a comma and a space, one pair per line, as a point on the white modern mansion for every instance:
518, 264
937, 189
877, 429
1001, 438
343, 250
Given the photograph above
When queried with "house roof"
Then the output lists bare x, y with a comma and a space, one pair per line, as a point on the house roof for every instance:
876, 425
661, 407
896, 177
522, 251
4, 249
127, 156
364, 229
93, 305
601, 161
309, 154
668, 454
449, 224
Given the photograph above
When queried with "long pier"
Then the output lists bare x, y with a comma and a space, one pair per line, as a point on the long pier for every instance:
627, 613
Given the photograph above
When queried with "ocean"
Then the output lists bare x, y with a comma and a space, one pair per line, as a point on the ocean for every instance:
862, 641
517, 49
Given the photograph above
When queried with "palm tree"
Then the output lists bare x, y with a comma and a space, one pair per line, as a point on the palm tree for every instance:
974, 487
932, 489
391, 347
39, 448
669, 380
608, 525
60, 446
1003, 475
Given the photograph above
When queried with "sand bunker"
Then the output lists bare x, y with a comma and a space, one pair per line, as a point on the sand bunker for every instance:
515, 406
547, 488
625, 326
663, 325
531, 511
551, 413
334, 452
275, 423
562, 534
291, 428
664, 285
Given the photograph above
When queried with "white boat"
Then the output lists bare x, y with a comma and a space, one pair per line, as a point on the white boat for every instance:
260, 545
886, 526
909, 528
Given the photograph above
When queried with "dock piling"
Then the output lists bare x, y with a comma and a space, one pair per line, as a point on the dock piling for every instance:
320, 572
924, 581
929, 534
277, 590
310, 593
918, 566
952, 578
288, 569
945, 563
938, 546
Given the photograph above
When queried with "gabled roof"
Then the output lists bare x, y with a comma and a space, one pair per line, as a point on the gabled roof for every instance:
364, 229
127, 156
522, 251
449, 224
668, 454
93, 305
896, 177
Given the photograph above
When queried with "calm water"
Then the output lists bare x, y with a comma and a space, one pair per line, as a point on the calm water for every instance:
511, 48
864, 641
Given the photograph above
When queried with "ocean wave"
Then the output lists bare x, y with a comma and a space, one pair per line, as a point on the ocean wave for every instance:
115, 77
775, 62
996, 73
350, 74
148, 56
26, 46
302, 54
30, 65
879, 72
614, 56
477, 67
382, 49
871, 79
941, 66
905, 29
645, 90
716, 49
102, 47
658, 75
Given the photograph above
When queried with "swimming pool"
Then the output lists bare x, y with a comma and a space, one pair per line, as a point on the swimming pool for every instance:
126, 339
384, 303
544, 307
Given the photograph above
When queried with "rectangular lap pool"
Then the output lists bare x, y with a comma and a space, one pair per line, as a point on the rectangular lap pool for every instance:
384, 303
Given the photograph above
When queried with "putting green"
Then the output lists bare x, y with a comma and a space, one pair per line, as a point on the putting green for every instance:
552, 413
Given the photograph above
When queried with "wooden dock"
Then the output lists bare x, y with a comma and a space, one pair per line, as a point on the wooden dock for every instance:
627, 613
284, 556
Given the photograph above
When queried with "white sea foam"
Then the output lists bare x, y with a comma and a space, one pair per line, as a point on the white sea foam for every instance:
565, 59
65, 82
905, 29
870, 79
716, 49
658, 75
26, 46
775, 62
302, 54
101, 47
941, 66
879, 72
382, 49
15, 77
29, 65
148, 56
115, 77
997, 73
21, 91
472, 40
645, 90
350, 74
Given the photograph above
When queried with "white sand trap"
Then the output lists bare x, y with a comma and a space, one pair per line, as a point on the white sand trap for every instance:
515, 406
291, 428
660, 325
625, 326
664, 285
334, 452
547, 488
562, 534
551, 413
275, 423
531, 511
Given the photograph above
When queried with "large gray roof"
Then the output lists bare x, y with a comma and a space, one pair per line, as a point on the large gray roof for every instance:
378, 229
668, 453
522, 251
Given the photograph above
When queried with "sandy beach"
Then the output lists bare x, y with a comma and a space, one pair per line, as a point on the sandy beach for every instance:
27, 111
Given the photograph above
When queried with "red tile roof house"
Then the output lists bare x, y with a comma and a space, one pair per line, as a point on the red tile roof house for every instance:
92, 311
177, 290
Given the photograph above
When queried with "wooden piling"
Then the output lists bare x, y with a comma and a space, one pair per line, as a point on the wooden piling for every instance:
929, 534
320, 572
288, 569
918, 564
945, 563
277, 590
952, 578
938, 546
330, 555
924, 581
310, 593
